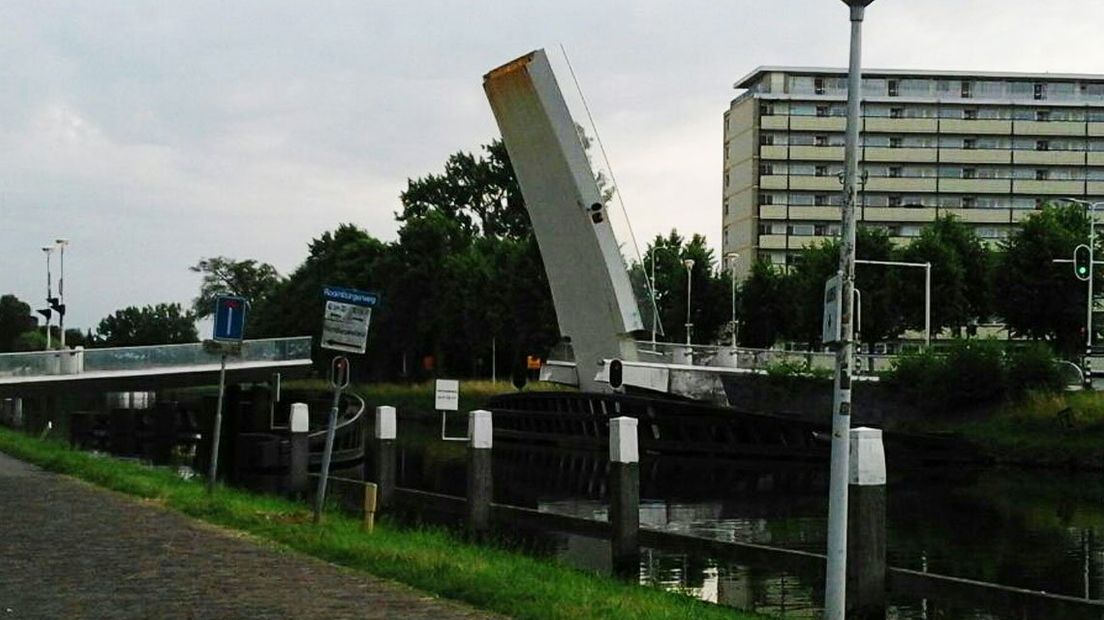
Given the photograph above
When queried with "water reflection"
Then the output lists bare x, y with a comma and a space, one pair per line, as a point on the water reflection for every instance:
1035, 530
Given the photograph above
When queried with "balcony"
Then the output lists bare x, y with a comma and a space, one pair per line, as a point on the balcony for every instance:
887, 154
900, 184
820, 214
981, 127
901, 125
774, 181
772, 242
816, 153
980, 216
976, 186
772, 212
1048, 188
802, 242
774, 122
817, 123
975, 156
1051, 158
1050, 128
773, 152
898, 214
818, 184
1096, 158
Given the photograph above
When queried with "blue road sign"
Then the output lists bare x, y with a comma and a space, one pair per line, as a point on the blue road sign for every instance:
370, 299
229, 319
346, 319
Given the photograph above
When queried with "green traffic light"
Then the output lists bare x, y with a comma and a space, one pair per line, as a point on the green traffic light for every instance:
1082, 270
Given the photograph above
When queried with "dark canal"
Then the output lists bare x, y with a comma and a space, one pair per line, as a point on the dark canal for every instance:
1037, 530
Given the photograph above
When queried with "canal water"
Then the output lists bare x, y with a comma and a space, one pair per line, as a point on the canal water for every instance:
1033, 529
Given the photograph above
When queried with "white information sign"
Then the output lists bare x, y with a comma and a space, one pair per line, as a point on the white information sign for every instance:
347, 316
833, 310
447, 395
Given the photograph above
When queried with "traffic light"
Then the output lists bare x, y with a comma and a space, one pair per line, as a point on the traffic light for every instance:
46, 313
56, 305
1082, 262
616, 374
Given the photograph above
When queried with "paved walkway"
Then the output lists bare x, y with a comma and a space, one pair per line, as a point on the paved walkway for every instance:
69, 550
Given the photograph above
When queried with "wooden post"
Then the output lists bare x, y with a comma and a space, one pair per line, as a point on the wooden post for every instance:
624, 512
299, 424
369, 523
866, 528
386, 431
480, 479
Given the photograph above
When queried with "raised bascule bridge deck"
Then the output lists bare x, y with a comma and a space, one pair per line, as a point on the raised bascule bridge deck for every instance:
148, 367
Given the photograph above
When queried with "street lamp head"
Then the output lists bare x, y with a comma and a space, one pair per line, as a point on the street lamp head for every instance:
858, 3
62, 242
47, 248
688, 263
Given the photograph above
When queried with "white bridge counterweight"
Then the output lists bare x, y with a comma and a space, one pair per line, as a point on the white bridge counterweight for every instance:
593, 296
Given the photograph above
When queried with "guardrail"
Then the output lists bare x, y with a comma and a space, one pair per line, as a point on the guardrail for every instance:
753, 359
121, 359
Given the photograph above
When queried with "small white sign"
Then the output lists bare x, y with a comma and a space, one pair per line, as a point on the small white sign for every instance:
345, 327
447, 395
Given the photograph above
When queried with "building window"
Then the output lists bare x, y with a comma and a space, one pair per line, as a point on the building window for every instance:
821, 171
766, 199
726, 207
821, 141
895, 201
726, 179
894, 171
970, 114
764, 229
969, 202
766, 139
822, 110
820, 200
896, 142
766, 169
766, 109
1042, 145
1042, 115
818, 86
1042, 174
1040, 91
1038, 203
967, 89
969, 173
896, 112
969, 143
893, 87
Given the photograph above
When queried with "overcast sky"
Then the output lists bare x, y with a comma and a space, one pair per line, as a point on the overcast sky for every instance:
154, 133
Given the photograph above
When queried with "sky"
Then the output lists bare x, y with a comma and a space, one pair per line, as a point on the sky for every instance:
152, 134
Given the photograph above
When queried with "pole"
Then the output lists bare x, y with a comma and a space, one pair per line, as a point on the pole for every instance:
327, 453
494, 362
49, 292
655, 306
689, 263
836, 578
927, 305
61, 293
212, 469
732, 277
1092, 259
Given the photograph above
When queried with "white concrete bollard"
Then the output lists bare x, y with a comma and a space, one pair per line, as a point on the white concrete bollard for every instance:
386, 425
624, 446
867, 462
300, 418
624, 512
480, 430
866, 526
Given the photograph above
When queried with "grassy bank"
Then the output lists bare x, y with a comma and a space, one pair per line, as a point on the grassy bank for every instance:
1053, 430
432, 560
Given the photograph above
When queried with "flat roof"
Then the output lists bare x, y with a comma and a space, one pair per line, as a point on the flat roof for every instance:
752, 77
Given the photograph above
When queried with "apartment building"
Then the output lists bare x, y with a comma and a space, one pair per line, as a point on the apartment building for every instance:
986, 147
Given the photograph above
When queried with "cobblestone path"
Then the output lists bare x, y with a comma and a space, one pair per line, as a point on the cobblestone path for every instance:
69, 550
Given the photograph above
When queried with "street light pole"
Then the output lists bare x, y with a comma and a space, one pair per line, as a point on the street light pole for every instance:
732, 257
1090, 209
61, 243
48, 250
836, 577
689, 264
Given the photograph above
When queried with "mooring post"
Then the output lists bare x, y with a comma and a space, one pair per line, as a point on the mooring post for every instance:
17, 413
386, 431
624, 514
866, 535
480, 480
299, 424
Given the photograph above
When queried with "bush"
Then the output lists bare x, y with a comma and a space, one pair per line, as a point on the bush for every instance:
972, 373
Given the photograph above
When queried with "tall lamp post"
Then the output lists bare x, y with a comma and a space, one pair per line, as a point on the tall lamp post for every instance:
732, 257
836, 578
61, 243
47, 312
655, 302
1090, 210
689, 264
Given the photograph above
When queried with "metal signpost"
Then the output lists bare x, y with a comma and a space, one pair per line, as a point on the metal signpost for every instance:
348, 314
339, 379
225, 340
345, 323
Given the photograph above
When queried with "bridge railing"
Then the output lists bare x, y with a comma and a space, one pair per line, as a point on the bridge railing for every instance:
757, 359
120, 359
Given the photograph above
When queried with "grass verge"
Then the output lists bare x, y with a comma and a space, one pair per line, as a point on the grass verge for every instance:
429, 559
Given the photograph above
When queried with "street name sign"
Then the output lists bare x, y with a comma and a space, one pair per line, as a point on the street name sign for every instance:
229, 318
346, 319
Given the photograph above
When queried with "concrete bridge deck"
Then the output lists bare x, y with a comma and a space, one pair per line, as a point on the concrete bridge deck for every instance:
148, 367
70, 550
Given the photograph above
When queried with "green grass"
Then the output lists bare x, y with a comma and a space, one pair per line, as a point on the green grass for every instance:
432, 560
1032, 431
419, 396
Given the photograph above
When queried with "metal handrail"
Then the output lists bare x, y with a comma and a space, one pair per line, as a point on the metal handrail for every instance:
347, 422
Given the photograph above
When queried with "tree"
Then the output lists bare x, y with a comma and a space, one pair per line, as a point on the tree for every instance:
160, 324
15, 319
225, 276
1038, 298
709, 287
765, 305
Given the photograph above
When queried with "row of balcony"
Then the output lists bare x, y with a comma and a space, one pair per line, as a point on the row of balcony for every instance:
918, 215
932, 155
791, 242
933, 125
1028, 187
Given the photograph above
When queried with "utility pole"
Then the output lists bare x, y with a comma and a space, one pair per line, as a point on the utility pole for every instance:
689, 264
732, 258
47, 312
61, 243
836, 578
